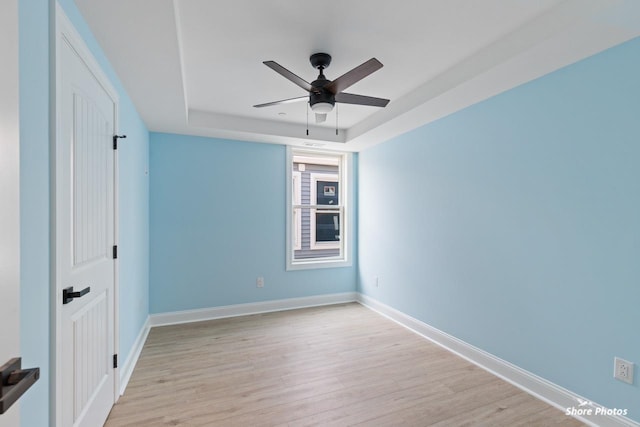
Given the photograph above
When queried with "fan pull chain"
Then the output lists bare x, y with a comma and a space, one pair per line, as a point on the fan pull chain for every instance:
336, 119
306, 106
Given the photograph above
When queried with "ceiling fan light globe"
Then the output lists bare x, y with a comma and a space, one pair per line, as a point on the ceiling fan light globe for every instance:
322, 107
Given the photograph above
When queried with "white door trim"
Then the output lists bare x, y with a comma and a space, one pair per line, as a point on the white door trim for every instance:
65, 32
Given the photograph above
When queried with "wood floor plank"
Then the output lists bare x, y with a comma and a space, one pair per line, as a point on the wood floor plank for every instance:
336, 365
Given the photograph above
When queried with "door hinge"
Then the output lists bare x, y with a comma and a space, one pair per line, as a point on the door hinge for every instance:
115, 140
115, 251
115, 361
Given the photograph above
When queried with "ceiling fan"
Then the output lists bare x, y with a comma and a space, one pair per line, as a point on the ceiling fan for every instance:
324, 93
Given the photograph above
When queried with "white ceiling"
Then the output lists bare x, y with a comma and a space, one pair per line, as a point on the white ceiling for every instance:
195, 66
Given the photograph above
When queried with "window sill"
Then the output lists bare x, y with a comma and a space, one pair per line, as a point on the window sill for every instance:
313, 265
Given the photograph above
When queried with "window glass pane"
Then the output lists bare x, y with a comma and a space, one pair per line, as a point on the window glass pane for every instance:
327, 227
327, 193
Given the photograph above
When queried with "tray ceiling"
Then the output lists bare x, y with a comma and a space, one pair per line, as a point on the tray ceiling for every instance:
195, 66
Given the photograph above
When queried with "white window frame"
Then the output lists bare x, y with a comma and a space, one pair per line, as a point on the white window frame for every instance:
343, 160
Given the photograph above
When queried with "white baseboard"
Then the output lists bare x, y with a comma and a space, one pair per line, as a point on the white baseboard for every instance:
199, 315
526, 381
132, 359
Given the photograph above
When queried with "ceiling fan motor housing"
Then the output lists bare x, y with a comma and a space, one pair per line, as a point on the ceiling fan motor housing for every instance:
319, 94
323, 96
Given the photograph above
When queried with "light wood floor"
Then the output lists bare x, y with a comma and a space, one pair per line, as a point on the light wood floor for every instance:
339, 365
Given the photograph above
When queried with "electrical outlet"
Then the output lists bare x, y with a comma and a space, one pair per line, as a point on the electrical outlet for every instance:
623, 370
260, 282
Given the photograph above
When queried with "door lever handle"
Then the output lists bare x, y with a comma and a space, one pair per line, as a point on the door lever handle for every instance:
68, 294
14, 382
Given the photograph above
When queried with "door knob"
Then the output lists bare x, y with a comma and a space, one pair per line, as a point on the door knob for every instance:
68, 294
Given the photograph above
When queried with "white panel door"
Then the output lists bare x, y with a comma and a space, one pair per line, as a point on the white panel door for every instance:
85, 234
9, 195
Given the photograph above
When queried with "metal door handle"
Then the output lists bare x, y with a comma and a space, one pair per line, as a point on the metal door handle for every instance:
14, 382
68, 294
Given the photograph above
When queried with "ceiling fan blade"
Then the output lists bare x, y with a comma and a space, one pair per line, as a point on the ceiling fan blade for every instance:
351, 77
321, 118
284, 101
288, 75
350, 98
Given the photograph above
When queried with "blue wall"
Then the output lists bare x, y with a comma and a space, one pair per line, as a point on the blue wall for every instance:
34, 204
218, 222
514, 224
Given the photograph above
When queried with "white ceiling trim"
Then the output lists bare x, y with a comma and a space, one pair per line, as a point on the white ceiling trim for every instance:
264, 128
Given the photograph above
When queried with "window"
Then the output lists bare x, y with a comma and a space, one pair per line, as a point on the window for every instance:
317, 215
